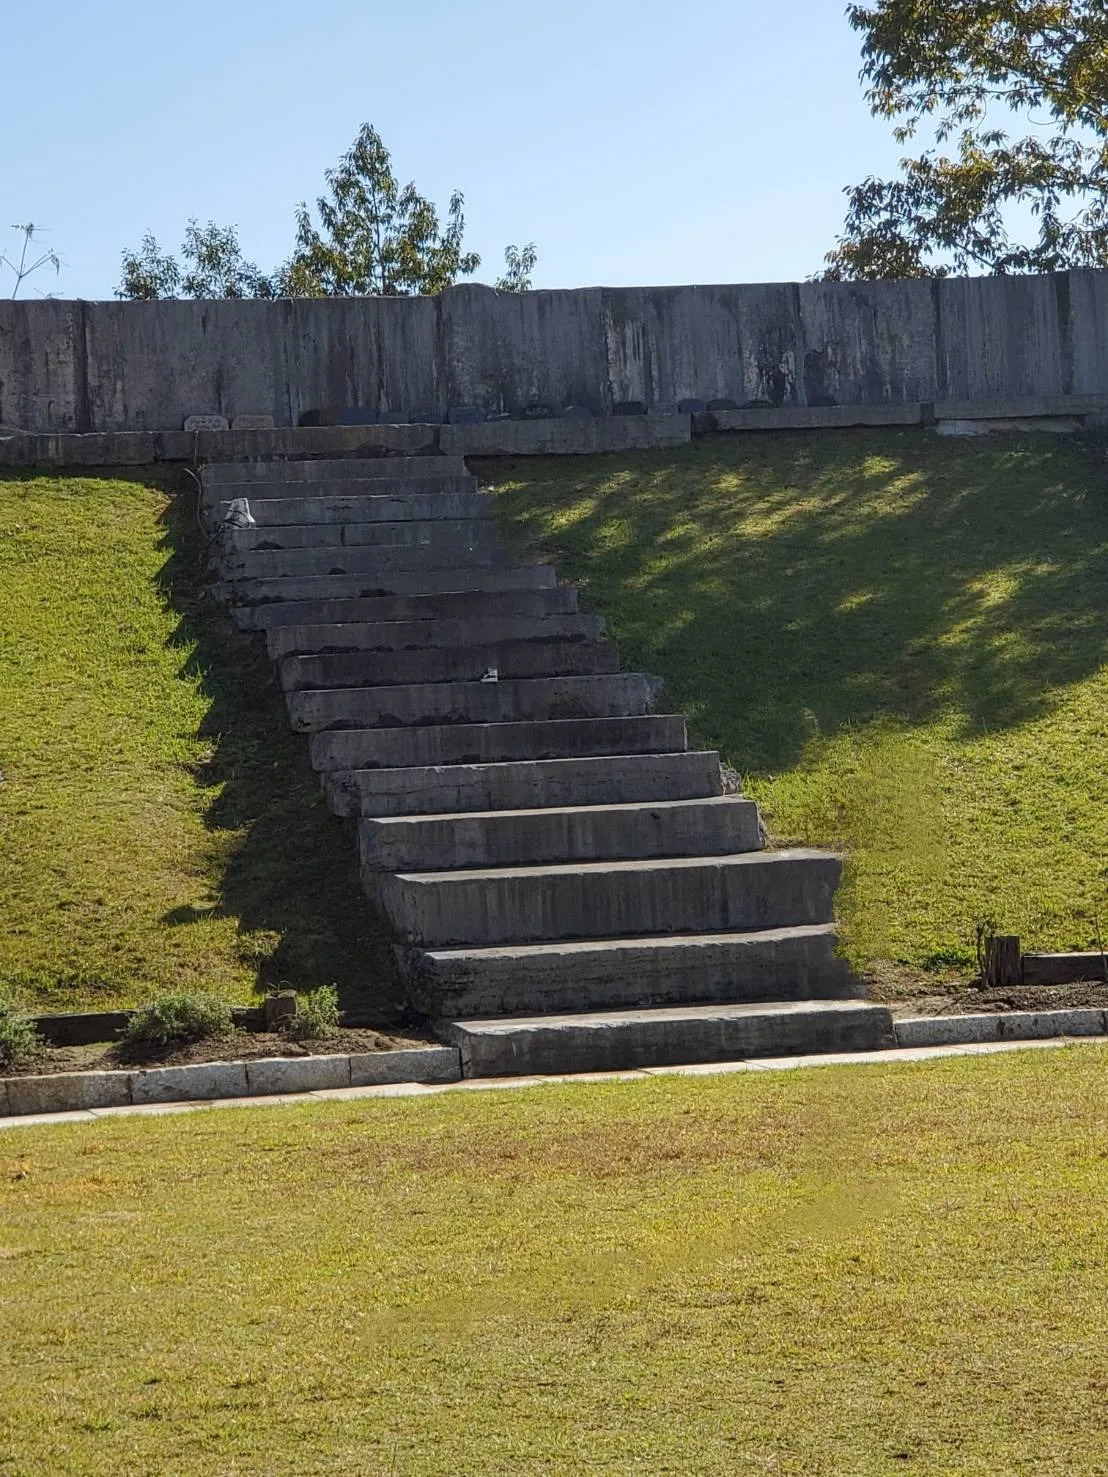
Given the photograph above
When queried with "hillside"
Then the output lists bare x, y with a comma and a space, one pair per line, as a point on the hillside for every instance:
160, 825
901, 644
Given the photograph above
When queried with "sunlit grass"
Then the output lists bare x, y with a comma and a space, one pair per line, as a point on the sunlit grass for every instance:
900, 642
839, 1270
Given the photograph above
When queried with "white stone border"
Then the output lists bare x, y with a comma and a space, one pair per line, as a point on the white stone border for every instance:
1012, 1025
68, 1092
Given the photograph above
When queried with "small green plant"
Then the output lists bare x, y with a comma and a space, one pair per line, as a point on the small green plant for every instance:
317, 1015
176, 1020
20, 1043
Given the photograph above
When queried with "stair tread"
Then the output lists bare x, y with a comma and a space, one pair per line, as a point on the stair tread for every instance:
637, 942
664, 1014
467, 817
646, 864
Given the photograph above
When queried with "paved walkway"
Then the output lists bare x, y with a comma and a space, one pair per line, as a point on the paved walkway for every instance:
503, 1084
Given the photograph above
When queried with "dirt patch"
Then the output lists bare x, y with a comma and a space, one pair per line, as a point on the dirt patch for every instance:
241, 1046
972, 1001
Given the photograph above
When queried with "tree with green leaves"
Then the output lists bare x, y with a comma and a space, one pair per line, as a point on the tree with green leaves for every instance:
374, 236
971, 70
519, 263
212, 266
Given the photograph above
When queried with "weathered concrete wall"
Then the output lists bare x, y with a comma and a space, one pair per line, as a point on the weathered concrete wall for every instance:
146, 366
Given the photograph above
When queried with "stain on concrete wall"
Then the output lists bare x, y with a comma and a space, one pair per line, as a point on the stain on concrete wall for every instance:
146, 366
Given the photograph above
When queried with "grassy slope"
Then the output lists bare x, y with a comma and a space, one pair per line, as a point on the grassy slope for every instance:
900, 642
860, 1270
159, 824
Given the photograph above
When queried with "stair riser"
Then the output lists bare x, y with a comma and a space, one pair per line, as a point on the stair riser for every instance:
432, 553
417, 501
741, 969
513, 661
416, 532
524, 785
325, 472
394, 609
483, 908
476, 578
490, 743
419, 635
515, 839
616, 696
600, 1048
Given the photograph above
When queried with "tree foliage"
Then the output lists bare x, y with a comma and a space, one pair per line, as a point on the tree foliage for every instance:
212, 266
519, 263
374, 236
969, 69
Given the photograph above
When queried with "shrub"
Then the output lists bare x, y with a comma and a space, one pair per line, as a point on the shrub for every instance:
317, 1015
176, 1020
20, 1043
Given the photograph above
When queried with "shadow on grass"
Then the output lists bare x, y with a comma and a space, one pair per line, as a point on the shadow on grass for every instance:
288, 868
793, 586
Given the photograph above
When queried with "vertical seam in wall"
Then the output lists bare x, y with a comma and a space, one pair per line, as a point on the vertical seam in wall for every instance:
82, 408
941, 389
1065, 330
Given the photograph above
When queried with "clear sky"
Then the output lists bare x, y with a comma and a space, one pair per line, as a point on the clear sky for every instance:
633, 141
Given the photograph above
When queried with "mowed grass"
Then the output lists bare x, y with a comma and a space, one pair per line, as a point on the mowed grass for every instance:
901, 644
159, 824
833, 1270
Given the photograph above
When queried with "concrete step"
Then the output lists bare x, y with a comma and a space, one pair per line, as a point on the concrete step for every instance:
413, 499
610, 974
425, 532
287, 641
774, 889
620, 1040
719, 826
523, 784
552, 600
511, 659
614, 695
477, 579
282, 473
478, 550
487, 743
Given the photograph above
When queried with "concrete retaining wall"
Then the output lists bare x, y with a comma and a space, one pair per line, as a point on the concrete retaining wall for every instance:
74, 366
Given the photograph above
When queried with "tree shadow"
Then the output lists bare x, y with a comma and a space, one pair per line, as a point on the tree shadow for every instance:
287, 869
788, 586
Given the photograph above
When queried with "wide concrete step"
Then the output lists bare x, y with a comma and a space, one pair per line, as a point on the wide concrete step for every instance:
523, 784
425, 532
776, 889
510, 659
613, 695
719, 826
280, 472
797, 963
412, 499
287, 641
551, 600
475, 578
605, 1041
479, 550
487, 743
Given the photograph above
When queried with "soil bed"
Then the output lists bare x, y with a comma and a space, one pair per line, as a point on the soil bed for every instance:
968, 1000
241, 1046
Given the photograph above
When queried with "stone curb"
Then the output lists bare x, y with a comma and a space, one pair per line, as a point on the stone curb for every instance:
1022, 1025
65, 1092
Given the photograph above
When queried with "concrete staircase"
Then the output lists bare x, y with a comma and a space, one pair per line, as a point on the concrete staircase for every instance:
573, 888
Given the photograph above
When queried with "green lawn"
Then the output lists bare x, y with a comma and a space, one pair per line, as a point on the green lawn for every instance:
835, 1270
900, 642
159, 823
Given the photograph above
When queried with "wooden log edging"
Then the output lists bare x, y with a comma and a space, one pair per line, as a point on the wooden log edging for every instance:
66, 1092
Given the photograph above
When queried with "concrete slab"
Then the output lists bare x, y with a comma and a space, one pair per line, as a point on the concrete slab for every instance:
422, 1064
303, 1074
1010, 1025
457, 499
491, 743
183, 1084
67, 1092
511, 660
524, 784
611, 900
284, 641
817, 417
477, 578
461, 533
551, 599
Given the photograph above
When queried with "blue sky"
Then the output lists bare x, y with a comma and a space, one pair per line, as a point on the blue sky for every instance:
633, 141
